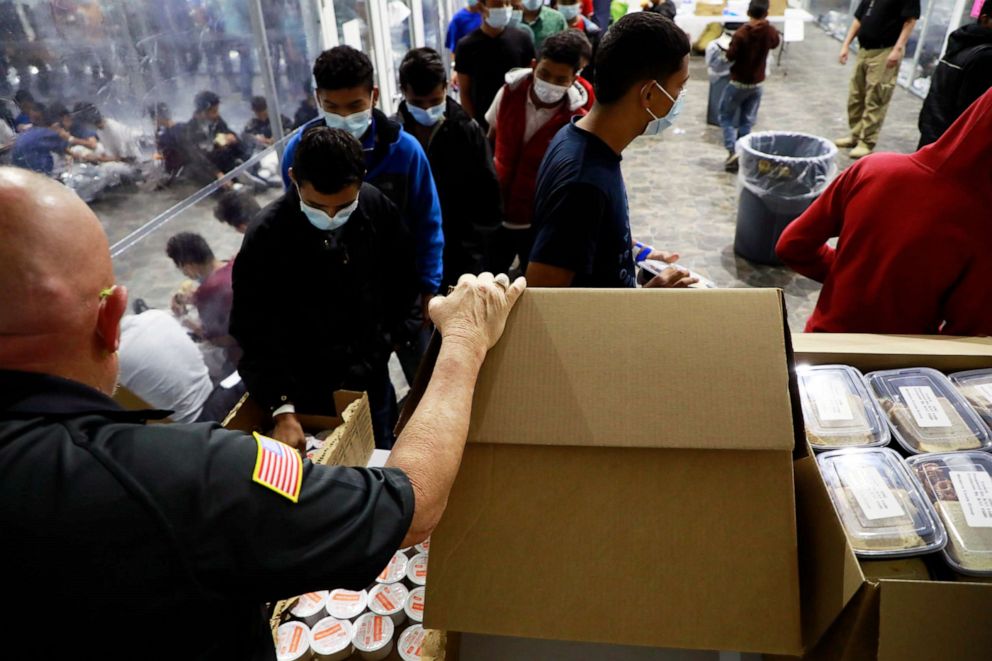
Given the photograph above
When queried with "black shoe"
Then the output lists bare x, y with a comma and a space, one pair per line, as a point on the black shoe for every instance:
731, 164
139, 306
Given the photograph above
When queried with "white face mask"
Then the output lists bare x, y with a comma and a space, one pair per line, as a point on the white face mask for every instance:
516, 17
321, 220
570, 12
533, 5
499, 17
547, 93
356, 123
428, 116
657, 125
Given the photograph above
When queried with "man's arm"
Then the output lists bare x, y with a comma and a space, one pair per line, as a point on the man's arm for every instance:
735, 46
429, 451
565, 230
465, 94
899, 50
845, 49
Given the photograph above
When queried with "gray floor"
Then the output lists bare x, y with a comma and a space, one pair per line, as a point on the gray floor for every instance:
680, 197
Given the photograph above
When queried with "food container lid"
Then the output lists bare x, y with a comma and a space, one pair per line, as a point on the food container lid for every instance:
309, 604
411, 643
414, 606
292, 641
883, 509
416, 569
838, 409
346, 604
388, 599
424, 546
926, 412
372, 632
976, 387
959, 484
330, 635
395, 571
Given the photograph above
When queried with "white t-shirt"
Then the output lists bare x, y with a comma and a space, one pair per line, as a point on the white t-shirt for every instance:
535, 117
162, 365
118, 140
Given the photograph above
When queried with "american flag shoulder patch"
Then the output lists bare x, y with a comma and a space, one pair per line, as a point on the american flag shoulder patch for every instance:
278, 467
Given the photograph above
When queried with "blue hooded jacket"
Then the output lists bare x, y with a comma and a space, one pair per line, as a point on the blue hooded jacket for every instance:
398, 166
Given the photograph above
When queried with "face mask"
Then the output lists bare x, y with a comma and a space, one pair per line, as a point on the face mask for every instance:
430, 116
570, 12
533, 5
322, 221
499, 17
659, 124
516, 16
547, 93
356, 124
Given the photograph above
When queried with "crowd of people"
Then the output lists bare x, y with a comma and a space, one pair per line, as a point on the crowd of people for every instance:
386, 226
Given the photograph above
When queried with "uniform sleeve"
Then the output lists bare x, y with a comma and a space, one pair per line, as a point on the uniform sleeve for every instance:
911, 9
425, 216
568, 227
803, 245
245, 539
859, 13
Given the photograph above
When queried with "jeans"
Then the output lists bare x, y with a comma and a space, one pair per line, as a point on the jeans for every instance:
738, 112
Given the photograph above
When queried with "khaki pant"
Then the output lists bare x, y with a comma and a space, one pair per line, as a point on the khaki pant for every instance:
871, 90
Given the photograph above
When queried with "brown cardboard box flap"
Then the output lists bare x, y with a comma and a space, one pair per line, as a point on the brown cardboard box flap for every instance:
701, 369
877, 352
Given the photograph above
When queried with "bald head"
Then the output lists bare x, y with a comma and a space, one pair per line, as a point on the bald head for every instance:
54, 263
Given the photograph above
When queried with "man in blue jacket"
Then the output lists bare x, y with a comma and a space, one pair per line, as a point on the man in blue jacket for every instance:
397, 166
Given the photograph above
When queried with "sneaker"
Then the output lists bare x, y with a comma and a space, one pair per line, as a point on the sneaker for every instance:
846, 143
860, 151
731, 164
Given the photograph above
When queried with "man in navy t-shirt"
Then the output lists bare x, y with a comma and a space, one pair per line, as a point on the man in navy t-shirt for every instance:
581, 219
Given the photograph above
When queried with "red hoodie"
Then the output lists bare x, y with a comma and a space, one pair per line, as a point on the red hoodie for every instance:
914, 254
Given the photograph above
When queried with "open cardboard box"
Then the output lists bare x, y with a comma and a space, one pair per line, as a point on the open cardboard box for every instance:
628, 476
855, 617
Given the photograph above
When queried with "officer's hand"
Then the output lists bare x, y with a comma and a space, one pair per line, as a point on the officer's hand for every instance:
844, 52
895, 58
289, 431
673, 278
475, 311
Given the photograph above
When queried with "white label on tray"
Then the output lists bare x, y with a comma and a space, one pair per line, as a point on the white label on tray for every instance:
974, 490
925, 406
831, 400
872, 493
986, 390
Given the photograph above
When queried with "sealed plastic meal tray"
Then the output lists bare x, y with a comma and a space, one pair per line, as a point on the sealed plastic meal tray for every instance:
926, 412
959, 485
838, 409
883, 509
976, 387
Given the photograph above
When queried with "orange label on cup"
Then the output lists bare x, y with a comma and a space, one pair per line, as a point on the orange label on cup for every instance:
345, 596
384, 600
294, 644
330, 631
377, 629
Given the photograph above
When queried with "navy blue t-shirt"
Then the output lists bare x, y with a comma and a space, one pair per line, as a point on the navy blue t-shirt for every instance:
581, 219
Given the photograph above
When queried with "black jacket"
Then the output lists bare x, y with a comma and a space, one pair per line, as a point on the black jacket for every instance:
467, 187
963, 75
315, 311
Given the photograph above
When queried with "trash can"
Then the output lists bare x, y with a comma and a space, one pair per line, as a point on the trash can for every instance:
717, 85
780, 175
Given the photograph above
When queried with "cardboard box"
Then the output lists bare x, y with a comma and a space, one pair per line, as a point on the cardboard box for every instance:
628, 476
710, 8
856, 617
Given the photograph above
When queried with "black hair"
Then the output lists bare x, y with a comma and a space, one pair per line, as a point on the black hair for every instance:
236, 208
758, 9
53, 114
329, 159
567, 48
639, 47
86, 113
205, 100
422, 71
188, 248
343, 67
22, 96
986, 10
258, 104
159, 110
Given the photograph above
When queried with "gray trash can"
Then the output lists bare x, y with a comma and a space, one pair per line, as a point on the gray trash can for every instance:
780, 175
717, 85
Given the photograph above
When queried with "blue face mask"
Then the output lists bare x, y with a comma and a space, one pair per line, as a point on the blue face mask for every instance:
657, 125
516, 17
356, 124
321, 220
429, 116
570, 12
499, 17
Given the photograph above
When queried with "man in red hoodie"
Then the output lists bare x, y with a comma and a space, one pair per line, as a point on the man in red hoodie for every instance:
526, 114
914, 235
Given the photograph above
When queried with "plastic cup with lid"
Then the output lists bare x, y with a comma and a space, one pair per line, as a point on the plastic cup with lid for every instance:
346, 604
330, 639
416, 569
395, 571
424, 546
373, 637
414, 607
388, 601
410, 643
293, 642
309, 607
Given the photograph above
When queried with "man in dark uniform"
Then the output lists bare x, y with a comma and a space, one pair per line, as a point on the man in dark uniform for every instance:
122, 540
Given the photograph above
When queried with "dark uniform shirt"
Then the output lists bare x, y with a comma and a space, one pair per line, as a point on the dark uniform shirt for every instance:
882, 21
122, 540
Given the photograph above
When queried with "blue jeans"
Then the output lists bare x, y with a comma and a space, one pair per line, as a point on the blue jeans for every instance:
738, 113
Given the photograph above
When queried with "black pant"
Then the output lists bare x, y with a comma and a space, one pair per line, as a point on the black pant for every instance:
220, 402
505, 245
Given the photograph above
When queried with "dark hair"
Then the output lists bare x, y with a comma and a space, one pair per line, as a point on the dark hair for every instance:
86, 113
159, 110
205, 100
343, 67
258, 104
566, 48
53, 114
236, 208
22, 96
422, 71
758, 9
638, 47
329, 159
188, 248
986, 9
